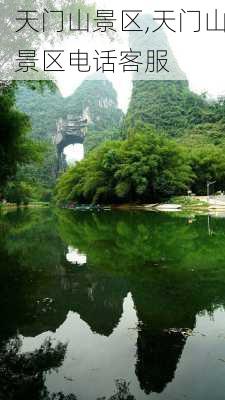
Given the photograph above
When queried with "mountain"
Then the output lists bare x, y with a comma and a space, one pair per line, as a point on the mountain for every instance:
96, 100
167, 105
165, 101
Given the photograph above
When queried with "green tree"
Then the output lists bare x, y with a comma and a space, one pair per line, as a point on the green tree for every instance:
96, 100
166, 105
18, 192
146, 167
208, 164
14, 126
16, 147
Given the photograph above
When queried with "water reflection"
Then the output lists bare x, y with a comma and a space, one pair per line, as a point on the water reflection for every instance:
92, 357
142, 317
74, 257
23, 375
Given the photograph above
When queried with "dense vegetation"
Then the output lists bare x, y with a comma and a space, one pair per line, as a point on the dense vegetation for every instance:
28, 122
34, 181
145, 167
171, 141
24, 161
172, 107
96, 100
175, 142
14, 126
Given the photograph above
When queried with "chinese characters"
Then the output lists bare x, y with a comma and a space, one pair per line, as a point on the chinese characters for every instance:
153, 61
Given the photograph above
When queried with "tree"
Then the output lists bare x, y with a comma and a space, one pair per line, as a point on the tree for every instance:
96, 100
16, 147
146, 167
18, 192
23, 375
208, 164
14, 126
167, 105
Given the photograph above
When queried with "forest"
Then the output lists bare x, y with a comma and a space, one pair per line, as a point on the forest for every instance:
171, 140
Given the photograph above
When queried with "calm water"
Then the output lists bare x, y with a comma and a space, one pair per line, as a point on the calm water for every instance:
111, 305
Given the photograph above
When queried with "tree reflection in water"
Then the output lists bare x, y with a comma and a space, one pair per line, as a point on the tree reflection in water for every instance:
23, 375
122, 392
170, 268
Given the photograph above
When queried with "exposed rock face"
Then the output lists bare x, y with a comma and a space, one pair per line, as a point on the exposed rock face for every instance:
95, 100
69, 131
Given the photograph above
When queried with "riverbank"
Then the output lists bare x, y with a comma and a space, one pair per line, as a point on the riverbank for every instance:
180, 203
30, 205
175, 204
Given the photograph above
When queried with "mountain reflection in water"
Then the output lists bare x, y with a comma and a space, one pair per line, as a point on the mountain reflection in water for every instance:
144, 316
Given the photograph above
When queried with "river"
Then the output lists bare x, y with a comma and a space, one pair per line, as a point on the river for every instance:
114, 305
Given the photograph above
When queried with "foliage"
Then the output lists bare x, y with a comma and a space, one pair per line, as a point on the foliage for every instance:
208, 164
23, 375
203, 134
20, 155
94, 138
97, 100
40, 175
196, 122
122, 391
18, 192
188, 201
35, 179
172, 107
43, 108
166, 105
146, 167
140, 168
14, 126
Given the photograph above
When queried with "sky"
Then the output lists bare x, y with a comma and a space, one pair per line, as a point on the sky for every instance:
200, 55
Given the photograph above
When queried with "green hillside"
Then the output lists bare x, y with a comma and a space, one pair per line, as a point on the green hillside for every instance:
171, 106
96, 100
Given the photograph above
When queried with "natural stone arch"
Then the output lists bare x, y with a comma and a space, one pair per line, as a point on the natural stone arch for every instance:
71, 130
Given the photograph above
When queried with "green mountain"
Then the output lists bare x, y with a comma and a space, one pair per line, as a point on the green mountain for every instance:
168, 104
96, 100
